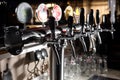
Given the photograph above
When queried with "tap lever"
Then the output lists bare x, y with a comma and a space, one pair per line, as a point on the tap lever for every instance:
70, 24
91, 17
52, 26
97, 17
98, 26
82, 19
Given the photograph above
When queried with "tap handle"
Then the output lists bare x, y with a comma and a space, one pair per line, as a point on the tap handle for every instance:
91, 17
70, 24
51, 22
82, 18
97, 17
70, 21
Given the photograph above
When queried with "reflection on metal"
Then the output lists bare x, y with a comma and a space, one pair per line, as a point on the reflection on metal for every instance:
50, 5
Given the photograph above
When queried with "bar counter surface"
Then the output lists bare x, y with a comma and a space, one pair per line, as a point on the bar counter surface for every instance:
110, 75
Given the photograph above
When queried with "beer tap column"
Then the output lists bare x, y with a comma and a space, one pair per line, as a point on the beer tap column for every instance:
91, 34
70, 26
82, 22
54, 52
61, 69
63, 45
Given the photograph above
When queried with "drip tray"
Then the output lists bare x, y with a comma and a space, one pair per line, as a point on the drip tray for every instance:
96, 77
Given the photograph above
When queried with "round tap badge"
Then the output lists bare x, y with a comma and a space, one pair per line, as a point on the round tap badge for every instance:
24, 12
68, 11
41, 13
77, 11
57, 12
77, 14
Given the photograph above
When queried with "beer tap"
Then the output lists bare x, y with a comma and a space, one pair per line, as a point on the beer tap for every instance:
98, 26
112, 6
55, 59
82, 18
52, 29
91, 19
91, 35
70, 26
63, 42
98, 19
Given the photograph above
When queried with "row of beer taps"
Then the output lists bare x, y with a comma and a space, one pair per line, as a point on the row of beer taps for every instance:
57, 37
76, 31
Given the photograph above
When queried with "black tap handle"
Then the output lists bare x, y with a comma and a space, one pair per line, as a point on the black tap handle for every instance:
52, 25
82, 17
70, 24
70, 21
97, 17
91, 17
104, 21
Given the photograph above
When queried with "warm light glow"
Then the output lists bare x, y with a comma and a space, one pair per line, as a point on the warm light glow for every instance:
77, 11
68, 11
50, 5
76, 14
